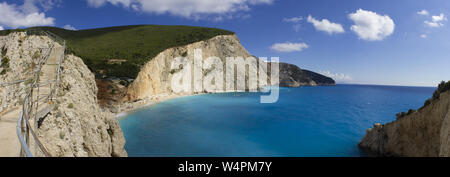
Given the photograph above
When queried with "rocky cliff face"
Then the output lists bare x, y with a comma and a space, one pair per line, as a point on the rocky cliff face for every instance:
320, 79
19, 55
425, 133
155, 77
77, 126
292, 76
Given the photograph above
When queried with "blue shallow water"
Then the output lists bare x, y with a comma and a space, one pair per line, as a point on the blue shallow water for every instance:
306, 122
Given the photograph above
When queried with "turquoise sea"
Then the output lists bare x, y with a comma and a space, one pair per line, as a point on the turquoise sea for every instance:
305, 122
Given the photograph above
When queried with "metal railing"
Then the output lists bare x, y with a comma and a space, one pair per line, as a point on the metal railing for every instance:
25, 130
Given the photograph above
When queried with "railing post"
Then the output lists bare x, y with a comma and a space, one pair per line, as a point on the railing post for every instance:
22, 129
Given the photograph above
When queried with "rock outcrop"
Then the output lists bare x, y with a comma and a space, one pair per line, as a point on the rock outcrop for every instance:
424, 133
155, 77
77, 126
292, 76
19, 55
320, 79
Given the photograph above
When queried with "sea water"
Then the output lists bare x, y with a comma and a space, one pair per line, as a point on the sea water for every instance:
305, 122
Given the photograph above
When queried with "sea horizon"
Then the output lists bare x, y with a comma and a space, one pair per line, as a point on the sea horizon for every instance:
386, 85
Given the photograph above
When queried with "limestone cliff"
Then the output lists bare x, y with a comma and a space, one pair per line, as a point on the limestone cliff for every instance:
155, 77
424, 133
77, 126
19, 55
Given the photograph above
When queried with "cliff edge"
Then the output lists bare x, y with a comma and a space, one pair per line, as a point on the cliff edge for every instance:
155, 76
76, 126
422, 133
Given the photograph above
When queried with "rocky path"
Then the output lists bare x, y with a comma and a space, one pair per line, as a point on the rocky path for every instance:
49, 71
9, 143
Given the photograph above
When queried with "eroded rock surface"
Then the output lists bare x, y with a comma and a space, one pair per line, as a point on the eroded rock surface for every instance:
77, 126
424, 133
156, 76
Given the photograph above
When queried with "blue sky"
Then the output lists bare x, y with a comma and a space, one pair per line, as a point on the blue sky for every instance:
401, 42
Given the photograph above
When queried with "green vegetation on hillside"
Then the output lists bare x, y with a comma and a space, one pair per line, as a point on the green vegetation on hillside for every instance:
4, 64
442, 87
121, 51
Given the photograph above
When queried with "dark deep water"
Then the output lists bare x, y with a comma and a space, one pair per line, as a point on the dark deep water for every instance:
305, 122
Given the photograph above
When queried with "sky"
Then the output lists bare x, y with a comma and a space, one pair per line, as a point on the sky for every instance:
384, 42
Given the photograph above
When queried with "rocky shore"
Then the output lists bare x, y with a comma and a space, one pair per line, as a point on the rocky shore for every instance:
422, 133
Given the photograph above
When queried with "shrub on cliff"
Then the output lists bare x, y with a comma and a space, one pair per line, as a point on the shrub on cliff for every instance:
442, 87
428, 102
4, 65
4, 51
401, 115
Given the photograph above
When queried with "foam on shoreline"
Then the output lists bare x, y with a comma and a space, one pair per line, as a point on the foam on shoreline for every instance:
150, 102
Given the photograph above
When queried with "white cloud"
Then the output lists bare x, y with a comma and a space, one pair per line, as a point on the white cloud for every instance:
370, 26
293, 19
436, 21
48, 4
30, 6
297, 27
439, 18
338, 77
69, 27
423, 12
135, 7
193, 9
1, 28
23, 16
96, 3
289, 47
326, 25
433, 24
99, 3
423, 36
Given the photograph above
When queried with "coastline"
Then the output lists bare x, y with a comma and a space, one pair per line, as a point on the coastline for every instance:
129, 107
